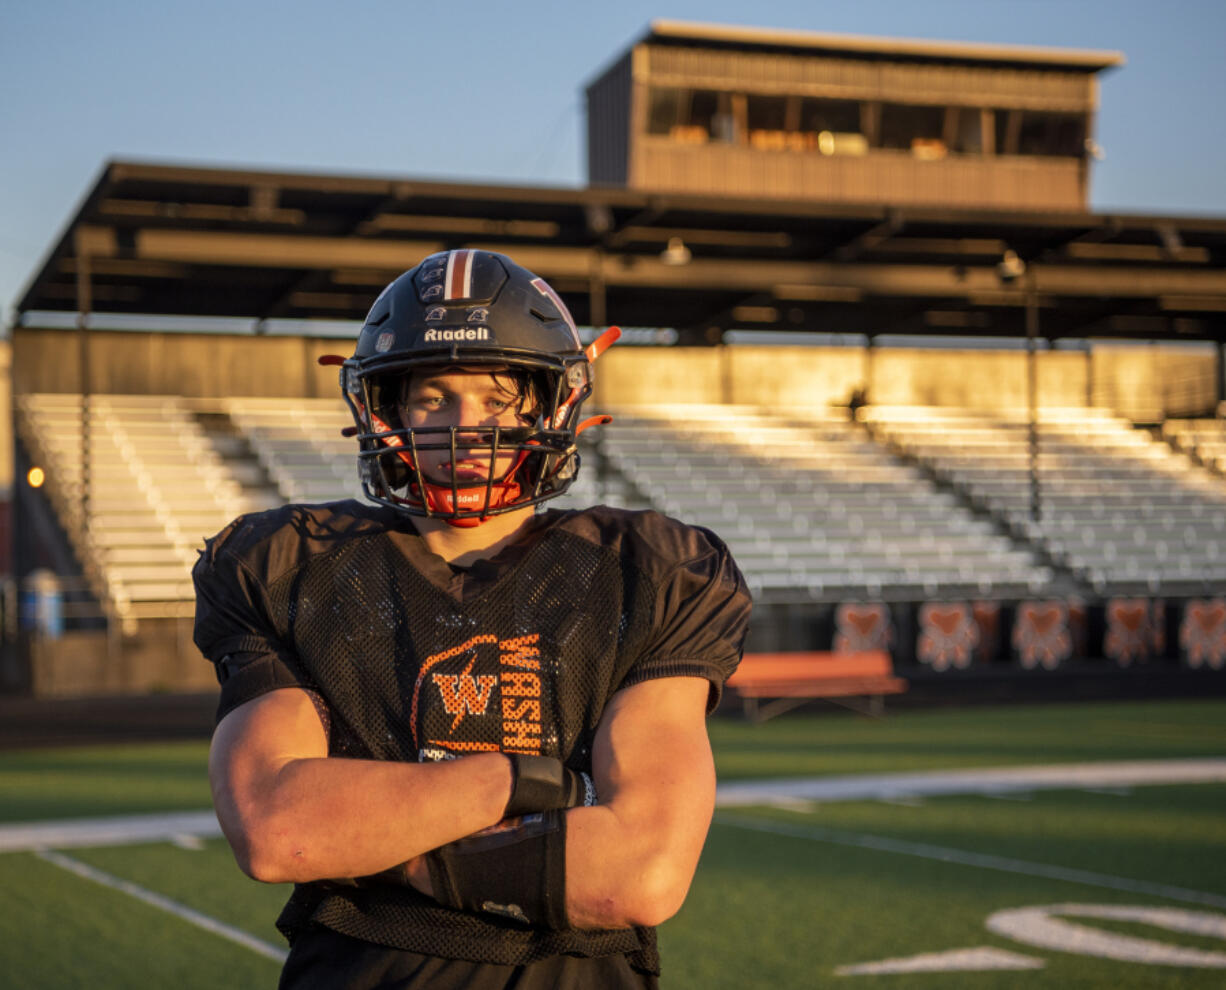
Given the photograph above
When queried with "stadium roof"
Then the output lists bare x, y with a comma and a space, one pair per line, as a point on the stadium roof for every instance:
668, 32
211, 242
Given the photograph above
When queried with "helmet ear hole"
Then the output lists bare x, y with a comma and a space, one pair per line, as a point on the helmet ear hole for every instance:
368, 474
383, 475
395, 473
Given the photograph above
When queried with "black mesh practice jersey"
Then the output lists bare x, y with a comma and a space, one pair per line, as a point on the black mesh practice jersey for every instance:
416, 660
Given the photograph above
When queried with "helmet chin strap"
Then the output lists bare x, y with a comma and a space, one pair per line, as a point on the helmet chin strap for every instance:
444, 498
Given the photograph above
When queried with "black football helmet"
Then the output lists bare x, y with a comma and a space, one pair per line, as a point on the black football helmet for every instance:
469, 309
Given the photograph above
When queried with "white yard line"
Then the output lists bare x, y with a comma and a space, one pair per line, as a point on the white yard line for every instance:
795, 793
114, 831
165, 904
984, 861
987, 780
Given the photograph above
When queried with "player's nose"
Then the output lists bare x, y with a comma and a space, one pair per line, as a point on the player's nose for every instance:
472, 413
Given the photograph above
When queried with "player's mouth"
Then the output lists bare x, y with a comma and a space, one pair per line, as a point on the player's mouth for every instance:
468, 471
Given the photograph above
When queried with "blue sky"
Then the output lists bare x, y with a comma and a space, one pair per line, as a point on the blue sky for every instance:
492, 91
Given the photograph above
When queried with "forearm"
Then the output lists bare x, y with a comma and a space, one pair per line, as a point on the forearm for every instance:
327, 818
291, 812
631, 858
625, 867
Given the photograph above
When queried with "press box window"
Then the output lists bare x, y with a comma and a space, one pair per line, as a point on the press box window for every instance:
771, 123
794, 123
918, 129
688, 116
1033, 132
835, 116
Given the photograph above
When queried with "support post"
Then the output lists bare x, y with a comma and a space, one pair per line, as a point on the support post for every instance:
596, 292
1032, 391
1089, 373
1219, 379
84, 305
870, 368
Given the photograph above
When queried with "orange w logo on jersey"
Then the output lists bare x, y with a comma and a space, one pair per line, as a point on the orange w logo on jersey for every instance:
464, 694
519, 687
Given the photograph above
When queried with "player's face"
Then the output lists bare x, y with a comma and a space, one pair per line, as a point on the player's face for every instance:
464, 397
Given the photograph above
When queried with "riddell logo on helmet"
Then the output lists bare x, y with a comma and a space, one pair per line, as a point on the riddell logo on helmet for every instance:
460, 333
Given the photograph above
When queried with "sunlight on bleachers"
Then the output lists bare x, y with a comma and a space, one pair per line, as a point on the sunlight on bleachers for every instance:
155, 485
901, 502
1118, 507
810, 505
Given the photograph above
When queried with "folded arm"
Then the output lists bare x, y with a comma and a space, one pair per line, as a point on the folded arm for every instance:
292, 813
628, 860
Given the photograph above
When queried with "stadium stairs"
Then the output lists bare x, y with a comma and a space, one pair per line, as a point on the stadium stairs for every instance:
1202, 440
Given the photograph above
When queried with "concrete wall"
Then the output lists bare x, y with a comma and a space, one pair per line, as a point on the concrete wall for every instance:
1149, 381
160, 657
196, 365
808, 376
1138, 381
801, 376
637, 375
974, 378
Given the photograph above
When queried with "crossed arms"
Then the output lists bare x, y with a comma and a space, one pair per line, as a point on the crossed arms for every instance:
292, 813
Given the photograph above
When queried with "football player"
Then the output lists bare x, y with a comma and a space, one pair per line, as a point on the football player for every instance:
470, 730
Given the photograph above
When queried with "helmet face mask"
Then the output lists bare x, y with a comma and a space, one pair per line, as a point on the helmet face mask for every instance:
473, 312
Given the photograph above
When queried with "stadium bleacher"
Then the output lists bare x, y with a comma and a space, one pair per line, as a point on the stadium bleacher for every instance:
299, 444
1121, 510
1203, 439
155, 485
811, 505
924, 507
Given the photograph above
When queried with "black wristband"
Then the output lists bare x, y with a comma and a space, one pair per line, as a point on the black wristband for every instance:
541, 783
517, 872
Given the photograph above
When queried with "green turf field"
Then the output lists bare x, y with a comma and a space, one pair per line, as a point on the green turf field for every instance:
795, 895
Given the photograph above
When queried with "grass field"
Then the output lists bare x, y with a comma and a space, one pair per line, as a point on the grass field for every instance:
797, 894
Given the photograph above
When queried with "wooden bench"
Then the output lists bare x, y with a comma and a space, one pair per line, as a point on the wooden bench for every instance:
771, 683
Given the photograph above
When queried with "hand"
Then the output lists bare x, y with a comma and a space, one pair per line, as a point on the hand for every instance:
418, 875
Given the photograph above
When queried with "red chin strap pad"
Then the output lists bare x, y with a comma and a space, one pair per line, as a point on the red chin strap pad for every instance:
441, 498
504, 492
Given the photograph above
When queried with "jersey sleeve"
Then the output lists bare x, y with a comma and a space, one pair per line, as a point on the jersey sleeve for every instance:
701, 615
233, 629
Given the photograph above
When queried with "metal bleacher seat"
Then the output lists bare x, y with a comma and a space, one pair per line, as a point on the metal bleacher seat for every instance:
810, 505
155, 486
299, 443
1121, 509
1203, 439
